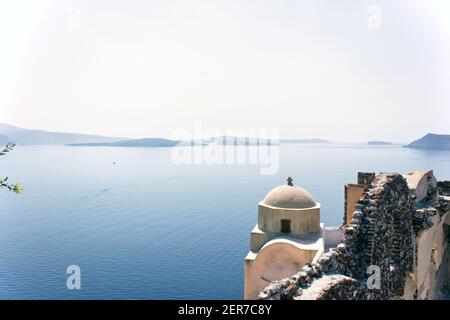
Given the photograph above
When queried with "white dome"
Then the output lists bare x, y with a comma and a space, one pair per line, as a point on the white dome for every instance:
289, 196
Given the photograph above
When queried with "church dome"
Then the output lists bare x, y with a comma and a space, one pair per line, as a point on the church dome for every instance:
289, 196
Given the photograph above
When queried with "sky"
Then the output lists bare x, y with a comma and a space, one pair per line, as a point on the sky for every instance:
340, 70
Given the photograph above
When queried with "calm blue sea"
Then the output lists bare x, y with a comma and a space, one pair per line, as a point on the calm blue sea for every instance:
145, 228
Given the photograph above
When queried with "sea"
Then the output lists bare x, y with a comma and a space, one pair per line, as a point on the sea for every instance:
140, 225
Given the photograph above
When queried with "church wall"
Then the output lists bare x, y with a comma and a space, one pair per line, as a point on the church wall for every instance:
303, 221
258, 238
352, 192
274, 261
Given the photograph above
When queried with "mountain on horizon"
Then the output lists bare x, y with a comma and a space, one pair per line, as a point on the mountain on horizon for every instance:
431, 141
41, 137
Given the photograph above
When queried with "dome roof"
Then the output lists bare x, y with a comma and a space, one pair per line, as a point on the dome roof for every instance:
289, 196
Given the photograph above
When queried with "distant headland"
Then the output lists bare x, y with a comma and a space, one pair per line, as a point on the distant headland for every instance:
431, 141
40, 137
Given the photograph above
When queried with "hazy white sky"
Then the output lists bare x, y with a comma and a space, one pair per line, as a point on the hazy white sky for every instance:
312, 69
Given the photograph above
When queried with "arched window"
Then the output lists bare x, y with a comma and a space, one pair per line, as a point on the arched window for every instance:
285, 225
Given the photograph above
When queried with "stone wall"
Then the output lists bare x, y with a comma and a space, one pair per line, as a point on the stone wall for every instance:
444, 188
382, 233
366, 178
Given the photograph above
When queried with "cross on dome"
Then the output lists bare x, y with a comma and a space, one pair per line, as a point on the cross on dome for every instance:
290, 181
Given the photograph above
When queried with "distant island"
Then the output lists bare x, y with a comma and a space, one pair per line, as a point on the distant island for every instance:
304, 141
239, 141
431, 141
226, 140
23, 136
378, 143
160, 142
146, 142
222, 140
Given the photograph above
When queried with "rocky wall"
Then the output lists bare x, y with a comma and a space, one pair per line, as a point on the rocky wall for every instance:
366, 178
444, 188
380, 234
